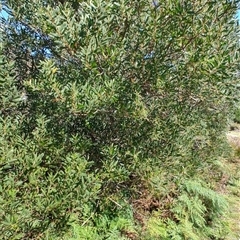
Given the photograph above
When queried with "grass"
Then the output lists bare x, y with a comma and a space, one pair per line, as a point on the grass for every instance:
232, 184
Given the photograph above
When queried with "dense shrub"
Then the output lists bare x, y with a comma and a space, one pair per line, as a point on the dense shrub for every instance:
109, 102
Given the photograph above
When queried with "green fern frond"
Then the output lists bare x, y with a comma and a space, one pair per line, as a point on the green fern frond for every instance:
197, 210
174, 230
156, 229
188, 231
191, 208
215, 200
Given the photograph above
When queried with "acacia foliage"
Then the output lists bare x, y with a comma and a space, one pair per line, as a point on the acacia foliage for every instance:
107, 95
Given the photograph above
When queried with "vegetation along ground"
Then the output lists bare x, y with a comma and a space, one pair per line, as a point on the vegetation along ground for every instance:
232, 181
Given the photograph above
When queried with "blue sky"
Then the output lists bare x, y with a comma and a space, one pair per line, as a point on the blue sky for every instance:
3, 14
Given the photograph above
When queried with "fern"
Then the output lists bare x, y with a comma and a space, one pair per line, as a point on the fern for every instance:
212, 200
197, 210
192, 208
155, 228
174, 231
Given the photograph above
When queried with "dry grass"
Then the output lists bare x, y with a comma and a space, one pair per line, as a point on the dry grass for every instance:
232, 189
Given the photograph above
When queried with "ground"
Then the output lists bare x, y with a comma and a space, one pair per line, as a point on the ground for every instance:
231, 180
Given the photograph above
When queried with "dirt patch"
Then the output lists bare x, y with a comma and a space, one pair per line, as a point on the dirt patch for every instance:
234, 138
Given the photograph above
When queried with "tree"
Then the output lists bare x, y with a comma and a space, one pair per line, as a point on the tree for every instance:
122, 100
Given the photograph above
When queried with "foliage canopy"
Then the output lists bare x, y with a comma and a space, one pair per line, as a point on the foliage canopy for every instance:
106, 103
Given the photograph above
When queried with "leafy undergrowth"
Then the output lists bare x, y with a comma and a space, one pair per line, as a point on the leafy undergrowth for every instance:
190, 210
112, 118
